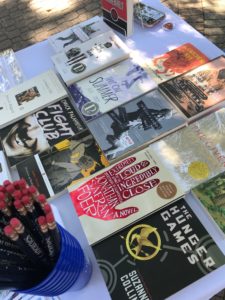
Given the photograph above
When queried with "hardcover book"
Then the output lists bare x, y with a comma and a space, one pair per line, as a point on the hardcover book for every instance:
78, 34
195, 153
38, 132
211, 194
30, 96
198, 90
176, 62
135, 123
110, 88
90, 57
118, 15
69, 161
159, 255
122, 194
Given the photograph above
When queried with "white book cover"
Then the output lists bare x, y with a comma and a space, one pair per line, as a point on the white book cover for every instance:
78, 34
90, 57
30, 96
4, 169
110, 88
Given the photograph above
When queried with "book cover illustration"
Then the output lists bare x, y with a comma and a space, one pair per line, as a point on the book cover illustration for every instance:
11, 295
159, 255
175, 62
123, 193
78, 34
69, 161
139, 121
10, 70
186, 157
211, 194
110, 88
4, 168
199, 89
118, 15
210, 130
90, 57
30, 96
36, 133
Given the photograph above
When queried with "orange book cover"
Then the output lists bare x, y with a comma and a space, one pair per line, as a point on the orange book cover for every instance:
176, 62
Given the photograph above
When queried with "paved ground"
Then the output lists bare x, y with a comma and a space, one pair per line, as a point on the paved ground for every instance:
25, 22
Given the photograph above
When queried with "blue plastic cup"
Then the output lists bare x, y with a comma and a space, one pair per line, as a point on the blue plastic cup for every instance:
72, 269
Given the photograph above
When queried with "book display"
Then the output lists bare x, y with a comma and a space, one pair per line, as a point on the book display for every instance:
90, 57
30, 96
38, 132
78, 34
133, 154
198, 90
135, 124
110, 88
118, 15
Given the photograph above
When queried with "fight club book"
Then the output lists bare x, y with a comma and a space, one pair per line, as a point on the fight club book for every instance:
159, 255
10, 71
193, 154
68, 162
30, 96
90, 57
211, 195
135, 124
122, 194
118, 15
78, 34
38, 132
175, 62
198, 90
110, 88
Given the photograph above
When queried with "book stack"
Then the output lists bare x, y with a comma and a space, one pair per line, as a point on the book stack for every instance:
128, 142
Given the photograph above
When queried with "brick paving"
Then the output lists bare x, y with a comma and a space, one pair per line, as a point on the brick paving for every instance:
26, 22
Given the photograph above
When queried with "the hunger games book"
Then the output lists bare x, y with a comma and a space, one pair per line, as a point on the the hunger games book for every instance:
30, 96
158, 256
187, 158
118, 15
38, 132
110, 88
198, 90
211, 195
176, 62
122, 194
90, 57
135, 124
68, 162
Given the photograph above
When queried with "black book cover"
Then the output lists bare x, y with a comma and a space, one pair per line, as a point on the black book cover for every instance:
158, 256
38, 132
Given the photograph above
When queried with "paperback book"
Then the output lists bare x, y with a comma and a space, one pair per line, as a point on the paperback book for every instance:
187, 158
78, 34
90, 57
198, 90
159, 255
118, 15
110, 88
175, 62
135, 124
122, 194
68, 162
30, 96
211, 195
38, 132
10, 71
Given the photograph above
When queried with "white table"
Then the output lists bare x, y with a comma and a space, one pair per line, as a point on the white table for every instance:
148, 43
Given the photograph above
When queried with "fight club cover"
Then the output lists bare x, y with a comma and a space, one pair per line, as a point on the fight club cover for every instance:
118, 14
158, 256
